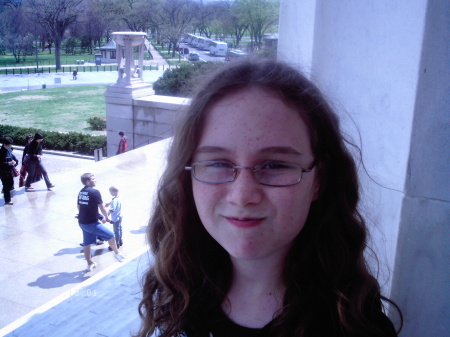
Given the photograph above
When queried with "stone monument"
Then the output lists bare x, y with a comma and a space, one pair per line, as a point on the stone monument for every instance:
129, 86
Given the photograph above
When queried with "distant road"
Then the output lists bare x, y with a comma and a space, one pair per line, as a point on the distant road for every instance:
10, 83
204, 54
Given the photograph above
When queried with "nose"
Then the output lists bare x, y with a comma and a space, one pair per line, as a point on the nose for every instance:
245, 190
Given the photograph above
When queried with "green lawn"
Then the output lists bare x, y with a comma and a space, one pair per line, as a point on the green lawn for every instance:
44, 59
57, 109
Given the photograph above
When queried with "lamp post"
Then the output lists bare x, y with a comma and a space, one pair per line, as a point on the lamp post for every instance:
36, 44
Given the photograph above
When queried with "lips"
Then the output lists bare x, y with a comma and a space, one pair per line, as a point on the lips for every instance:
244, 222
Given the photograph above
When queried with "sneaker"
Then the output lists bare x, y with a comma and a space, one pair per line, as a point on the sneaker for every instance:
119, 257
91, 266
50, 187
9, 203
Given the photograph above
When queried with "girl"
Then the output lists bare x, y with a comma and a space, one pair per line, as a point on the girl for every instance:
256, 229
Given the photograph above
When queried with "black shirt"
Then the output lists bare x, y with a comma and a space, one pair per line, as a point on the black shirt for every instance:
88, 199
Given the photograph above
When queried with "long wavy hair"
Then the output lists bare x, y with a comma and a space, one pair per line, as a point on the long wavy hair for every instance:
329, 288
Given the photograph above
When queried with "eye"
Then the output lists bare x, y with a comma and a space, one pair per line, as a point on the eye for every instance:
276, 166
218, 164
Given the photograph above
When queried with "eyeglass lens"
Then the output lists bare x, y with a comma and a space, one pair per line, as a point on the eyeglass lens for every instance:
274, 174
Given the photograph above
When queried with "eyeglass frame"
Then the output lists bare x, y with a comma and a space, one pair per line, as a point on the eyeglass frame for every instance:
255, 170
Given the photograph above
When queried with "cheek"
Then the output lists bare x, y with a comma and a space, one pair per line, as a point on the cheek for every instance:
292, 210
206, 197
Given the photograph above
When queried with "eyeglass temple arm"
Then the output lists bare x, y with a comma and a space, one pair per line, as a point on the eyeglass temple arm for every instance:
311, 167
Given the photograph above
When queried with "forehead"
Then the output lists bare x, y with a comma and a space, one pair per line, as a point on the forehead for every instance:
254, 117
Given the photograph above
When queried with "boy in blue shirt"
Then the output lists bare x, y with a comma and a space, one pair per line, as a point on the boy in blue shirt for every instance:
115, 211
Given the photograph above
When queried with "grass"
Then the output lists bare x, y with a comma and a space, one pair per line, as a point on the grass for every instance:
58, 109
44, 59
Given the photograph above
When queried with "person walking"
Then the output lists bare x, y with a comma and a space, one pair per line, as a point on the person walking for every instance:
24, 167
75, 73
7, 162
123, 144
89, 203
35, 162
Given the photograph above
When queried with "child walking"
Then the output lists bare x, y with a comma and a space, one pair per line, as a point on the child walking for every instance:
115, 213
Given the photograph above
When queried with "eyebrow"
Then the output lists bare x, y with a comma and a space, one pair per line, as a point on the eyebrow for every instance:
266, 150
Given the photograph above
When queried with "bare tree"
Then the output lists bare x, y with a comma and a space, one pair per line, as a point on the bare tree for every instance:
16, 30
20, 46
205, 14
234, 24
259, 15
138, 14
56, 16
176, 16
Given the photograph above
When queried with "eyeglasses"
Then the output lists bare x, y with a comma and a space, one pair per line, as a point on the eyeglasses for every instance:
270, 173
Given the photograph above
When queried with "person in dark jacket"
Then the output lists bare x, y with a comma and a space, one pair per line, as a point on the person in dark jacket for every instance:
34, 154
7, 160
24, 167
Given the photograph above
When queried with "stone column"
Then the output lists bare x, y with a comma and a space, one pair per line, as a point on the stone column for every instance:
120, 96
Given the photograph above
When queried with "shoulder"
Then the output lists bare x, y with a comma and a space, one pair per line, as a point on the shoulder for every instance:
94, 191
90, 190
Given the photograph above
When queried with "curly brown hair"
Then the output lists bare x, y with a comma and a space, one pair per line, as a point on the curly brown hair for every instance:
189, 280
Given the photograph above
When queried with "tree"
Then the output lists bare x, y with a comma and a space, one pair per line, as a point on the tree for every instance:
178, 82
259, 15
233, 23
56, 16
70, 45
203, 18
139, 14
20, 46
15, 28
175, 17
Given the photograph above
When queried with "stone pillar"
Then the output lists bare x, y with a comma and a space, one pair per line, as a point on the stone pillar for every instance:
388, 66
120, 96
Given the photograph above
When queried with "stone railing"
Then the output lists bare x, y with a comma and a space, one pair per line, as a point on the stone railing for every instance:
144, 120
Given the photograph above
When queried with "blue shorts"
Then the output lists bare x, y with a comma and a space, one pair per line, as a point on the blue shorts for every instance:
93, 230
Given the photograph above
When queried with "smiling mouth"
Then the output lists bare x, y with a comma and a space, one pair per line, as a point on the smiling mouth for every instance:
244, 222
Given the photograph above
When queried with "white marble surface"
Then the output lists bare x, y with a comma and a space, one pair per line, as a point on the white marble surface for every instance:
40, 256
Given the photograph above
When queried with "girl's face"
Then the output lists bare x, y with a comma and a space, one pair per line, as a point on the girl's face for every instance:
249, 220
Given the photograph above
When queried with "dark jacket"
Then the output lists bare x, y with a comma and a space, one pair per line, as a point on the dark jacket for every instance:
5, 157
34, 150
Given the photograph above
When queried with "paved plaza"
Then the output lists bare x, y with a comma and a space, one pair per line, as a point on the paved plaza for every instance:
20, 82
45, 288
42, 263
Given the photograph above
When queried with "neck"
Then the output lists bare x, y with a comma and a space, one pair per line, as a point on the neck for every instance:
256, 293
